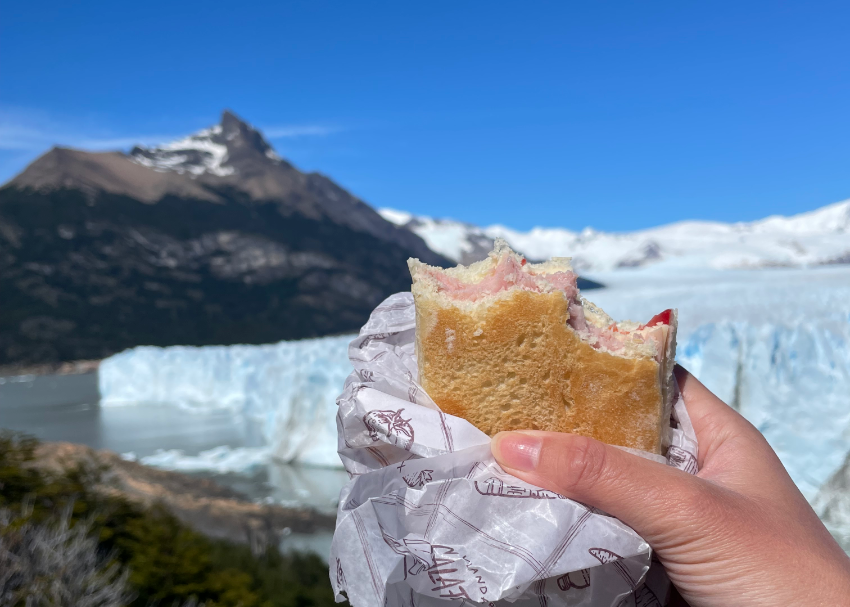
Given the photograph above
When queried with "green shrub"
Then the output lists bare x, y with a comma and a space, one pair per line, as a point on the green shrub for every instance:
167, 563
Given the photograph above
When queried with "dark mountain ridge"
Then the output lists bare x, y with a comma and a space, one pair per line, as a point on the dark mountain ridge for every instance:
212, 239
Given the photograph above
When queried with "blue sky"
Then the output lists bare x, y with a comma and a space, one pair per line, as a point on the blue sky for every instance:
618, 115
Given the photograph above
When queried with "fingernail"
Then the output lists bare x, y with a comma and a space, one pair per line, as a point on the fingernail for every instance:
517, 450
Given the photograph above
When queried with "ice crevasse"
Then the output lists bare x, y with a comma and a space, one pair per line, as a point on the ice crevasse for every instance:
791, 381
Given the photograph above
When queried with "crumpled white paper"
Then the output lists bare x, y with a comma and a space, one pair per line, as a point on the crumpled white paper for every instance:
429, 516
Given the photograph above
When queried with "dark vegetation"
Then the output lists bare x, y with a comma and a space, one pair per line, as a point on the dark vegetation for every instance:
72, 545
83, 278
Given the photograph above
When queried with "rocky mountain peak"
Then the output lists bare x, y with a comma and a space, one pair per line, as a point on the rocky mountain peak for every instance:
240, 136
220, 150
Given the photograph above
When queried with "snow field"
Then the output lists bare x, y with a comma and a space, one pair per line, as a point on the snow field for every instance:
818, 237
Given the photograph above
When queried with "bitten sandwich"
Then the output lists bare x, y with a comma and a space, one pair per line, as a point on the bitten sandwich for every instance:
512, 345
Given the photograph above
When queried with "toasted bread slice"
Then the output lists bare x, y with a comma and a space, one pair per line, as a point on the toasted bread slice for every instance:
510, 345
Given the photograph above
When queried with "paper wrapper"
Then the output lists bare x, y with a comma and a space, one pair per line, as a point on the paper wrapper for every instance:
429, 516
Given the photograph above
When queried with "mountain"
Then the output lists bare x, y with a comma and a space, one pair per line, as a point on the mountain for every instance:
815, 238
212, 239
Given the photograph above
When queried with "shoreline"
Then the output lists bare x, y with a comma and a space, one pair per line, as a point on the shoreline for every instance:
206, 506
73, 367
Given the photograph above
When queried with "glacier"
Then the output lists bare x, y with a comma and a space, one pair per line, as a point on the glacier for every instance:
288, 390
775, 344
791, 382
832, 503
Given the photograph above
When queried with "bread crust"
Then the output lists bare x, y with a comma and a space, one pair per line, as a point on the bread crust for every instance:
514, 363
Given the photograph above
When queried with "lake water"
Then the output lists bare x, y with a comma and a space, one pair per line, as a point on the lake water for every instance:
65, 408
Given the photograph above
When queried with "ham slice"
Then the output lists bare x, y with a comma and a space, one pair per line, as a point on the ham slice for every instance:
508, 273
512, 272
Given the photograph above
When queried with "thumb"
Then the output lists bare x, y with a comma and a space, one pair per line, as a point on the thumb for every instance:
646, 495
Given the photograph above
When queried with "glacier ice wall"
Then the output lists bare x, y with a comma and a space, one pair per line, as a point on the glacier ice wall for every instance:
832, 503
791, 382
288, 388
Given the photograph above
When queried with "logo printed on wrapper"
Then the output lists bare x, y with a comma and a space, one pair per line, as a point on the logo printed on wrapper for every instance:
495, 487
377, 356
410, 548
358, 389
390, 424
340, 576
419, 479
482, 585
681, 459
644, 597
375, 337
605, 556
452, 574
576, 579
413, 390
451, 587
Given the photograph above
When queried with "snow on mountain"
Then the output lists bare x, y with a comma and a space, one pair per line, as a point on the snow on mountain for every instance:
196, 154
458, 241
815, 238
461, 242
209, 151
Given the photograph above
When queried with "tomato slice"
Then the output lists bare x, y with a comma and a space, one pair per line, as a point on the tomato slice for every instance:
662, 318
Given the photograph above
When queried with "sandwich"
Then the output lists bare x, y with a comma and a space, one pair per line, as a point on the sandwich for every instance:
512, 345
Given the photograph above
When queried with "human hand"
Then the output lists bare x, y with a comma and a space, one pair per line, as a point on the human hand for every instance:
737, 533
